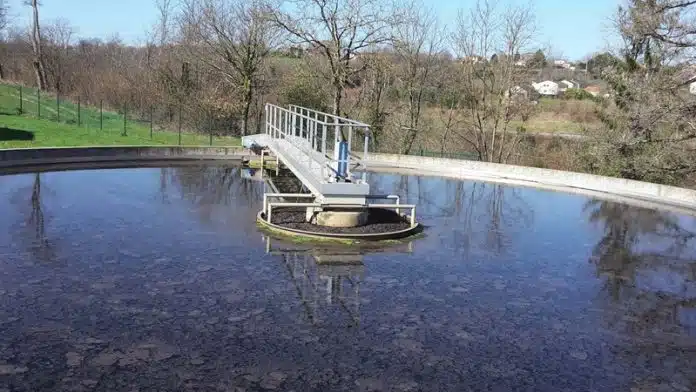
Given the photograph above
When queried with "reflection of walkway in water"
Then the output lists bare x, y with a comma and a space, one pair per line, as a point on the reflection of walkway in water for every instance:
325, 279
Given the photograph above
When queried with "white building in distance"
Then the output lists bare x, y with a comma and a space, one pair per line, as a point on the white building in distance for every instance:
546, 88
563, 85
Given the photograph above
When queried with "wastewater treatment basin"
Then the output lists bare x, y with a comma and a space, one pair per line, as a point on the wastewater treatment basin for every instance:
158, 278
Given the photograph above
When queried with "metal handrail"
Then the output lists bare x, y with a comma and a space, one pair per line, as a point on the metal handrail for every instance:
348, 121
282, 123
397, 207
325, 164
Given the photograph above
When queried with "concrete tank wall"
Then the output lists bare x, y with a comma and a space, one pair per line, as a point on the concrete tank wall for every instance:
48, 156
542, 178
605, 187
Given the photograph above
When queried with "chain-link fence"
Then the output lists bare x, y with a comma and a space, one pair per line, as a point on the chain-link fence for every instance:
121, 125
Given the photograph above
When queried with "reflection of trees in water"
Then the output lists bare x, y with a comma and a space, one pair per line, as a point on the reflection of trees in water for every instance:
206, 187
641, 243
32, 231
493, 210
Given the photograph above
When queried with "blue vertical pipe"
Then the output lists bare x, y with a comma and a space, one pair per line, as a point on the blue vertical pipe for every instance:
343, 159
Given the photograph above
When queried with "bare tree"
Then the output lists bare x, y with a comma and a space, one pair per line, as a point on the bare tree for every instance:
4, 18
58, 37
165, 9
164, 60
4, 9
39, 68
492, 89
652, 132
376, 80
417, 43
337, 30
233, 37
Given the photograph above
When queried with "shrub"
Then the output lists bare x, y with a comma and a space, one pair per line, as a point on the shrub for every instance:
578, 94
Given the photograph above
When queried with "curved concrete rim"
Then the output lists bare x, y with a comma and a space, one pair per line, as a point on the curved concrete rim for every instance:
92, 157
642, 194
636, 193
391, 235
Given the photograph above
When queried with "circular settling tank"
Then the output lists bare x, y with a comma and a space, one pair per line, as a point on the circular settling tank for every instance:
157, 279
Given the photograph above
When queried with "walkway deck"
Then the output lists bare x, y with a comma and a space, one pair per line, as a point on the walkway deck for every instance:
303, 139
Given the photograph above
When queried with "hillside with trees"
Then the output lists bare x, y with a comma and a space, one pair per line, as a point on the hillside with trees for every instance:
464, 88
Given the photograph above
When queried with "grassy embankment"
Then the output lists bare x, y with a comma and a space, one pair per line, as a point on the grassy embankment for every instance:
25, 129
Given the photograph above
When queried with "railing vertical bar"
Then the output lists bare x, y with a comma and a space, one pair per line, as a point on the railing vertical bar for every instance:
350, 138
294, 123
314, 135
365, 148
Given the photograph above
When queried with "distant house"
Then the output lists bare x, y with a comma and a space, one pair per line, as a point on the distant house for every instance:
563, 64
563, 85
546, 88
692, 88
594, 90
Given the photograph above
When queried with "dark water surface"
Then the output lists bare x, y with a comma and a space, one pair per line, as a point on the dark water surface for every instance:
158, 280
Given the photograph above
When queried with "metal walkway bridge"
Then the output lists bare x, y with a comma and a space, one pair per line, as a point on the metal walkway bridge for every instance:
318, 148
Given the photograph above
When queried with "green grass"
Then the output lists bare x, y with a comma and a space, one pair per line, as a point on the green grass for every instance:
548, 126
60, 128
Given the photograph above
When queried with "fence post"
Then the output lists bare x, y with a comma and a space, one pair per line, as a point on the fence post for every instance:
21, 100
210, 128
58, 104
125, 115
151, 109
179, 123
101, 114
79, 119
38, 102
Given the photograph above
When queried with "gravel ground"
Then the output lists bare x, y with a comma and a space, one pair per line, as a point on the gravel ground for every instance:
378, 221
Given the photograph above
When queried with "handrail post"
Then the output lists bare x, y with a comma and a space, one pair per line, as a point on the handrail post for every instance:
365, 147
350, 150
285, 124
323, 140
367, 142
350, 138
313, 129
294, 123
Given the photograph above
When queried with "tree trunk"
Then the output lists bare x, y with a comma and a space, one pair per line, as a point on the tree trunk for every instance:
338, 95
39, 68
247, 108
2, 72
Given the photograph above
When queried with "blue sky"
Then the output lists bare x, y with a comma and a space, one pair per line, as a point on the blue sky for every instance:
571, 28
